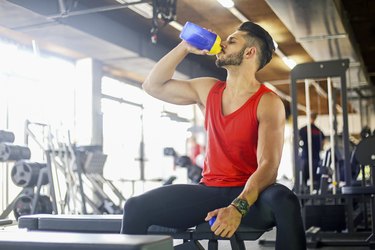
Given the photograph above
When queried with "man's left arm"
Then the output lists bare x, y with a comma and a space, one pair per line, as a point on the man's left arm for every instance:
271, 118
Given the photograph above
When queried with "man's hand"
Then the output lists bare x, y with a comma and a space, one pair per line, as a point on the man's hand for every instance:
227, 221
192, 49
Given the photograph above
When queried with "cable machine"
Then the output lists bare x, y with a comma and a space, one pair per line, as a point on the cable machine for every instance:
335, 202
320, 70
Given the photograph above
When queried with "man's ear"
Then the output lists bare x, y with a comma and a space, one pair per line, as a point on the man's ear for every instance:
250, 52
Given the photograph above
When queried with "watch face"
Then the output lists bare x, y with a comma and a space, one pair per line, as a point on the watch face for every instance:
242, 205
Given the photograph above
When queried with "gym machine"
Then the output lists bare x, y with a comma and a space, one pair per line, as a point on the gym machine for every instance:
331, 217
194, 172
31, 176
81, 169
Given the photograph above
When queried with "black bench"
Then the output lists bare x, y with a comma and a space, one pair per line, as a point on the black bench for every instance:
41, 240
112, 224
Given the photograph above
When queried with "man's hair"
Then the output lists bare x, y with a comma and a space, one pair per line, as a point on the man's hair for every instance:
313, 115
262, 40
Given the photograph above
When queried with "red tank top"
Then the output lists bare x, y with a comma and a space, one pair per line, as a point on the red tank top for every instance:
231, 140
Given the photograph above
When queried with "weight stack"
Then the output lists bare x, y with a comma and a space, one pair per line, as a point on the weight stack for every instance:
10, 152
326, 217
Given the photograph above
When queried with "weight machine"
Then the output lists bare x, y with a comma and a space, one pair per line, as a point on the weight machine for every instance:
336, 202
81, 168
26, 174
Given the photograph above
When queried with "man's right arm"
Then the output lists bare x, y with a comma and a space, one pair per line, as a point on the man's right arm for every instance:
159, 82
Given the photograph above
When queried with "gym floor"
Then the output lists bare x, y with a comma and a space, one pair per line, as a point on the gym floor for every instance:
253, 245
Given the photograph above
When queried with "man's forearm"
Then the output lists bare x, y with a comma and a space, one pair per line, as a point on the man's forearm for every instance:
260, 180
165, 67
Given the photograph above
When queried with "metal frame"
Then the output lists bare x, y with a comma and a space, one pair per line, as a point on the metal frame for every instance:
315, 70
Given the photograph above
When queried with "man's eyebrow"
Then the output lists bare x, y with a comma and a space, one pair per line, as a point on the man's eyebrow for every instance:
231, 38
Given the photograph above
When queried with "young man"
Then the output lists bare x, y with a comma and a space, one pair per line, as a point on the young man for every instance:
245, 127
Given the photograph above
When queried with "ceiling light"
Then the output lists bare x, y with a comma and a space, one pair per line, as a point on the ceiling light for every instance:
238, 14
275, 44
226, 3
143, 9
176, 25
289, 62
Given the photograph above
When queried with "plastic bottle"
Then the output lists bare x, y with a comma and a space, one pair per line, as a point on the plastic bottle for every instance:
212, 221
201, 38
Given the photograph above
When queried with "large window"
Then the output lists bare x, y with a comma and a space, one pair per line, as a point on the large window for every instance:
35, 88
127, 112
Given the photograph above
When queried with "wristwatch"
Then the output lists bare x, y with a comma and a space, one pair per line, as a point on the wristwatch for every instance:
241, 205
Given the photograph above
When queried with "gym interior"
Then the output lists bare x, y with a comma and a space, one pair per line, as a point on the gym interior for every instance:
79, 136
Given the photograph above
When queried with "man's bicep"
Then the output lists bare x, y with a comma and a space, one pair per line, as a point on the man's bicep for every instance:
177, 92
182, 92
271, 131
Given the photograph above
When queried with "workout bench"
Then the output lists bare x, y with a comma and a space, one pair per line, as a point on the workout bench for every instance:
39, 240
112, 223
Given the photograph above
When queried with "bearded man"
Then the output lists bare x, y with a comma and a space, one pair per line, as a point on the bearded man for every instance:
245, 122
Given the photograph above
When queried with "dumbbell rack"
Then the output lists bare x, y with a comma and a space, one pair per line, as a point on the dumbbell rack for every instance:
35, 176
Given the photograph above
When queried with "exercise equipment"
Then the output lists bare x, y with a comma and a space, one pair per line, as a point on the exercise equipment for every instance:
112, 224
365, 155
193, 171
79, 168
9, 152
23, 205
82, 241
26, 174
6, 136
331, 71
4, 222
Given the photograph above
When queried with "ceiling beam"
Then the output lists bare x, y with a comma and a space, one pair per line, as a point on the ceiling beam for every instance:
128, 35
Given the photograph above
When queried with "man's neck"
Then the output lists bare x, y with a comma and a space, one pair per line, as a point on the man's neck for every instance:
240, 82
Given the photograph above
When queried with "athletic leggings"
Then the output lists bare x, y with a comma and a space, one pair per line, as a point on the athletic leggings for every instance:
186, 205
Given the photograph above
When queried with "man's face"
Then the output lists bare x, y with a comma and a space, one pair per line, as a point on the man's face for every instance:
233, 50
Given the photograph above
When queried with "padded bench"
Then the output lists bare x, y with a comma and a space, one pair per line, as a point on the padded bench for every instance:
41, 240
112, 224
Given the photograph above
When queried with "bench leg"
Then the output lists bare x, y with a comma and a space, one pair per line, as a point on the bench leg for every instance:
213, 245
237, 244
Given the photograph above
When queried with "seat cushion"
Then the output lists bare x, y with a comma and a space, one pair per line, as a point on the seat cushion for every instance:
72, 223
39, 240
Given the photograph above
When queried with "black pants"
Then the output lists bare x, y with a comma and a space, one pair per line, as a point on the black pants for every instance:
186, 205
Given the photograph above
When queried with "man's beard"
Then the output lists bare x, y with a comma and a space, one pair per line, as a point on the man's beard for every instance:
234, 59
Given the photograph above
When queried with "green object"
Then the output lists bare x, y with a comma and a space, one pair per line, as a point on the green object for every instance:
242, 206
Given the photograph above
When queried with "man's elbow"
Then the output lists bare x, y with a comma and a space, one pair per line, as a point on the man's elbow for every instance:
149, 87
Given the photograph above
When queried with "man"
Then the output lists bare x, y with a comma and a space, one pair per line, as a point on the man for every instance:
245, 125
317, 139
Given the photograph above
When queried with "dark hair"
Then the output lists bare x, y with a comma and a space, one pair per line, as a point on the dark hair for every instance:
313, 115
263, 41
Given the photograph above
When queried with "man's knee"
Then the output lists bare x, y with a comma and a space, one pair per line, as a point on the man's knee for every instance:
281, 197
132, 206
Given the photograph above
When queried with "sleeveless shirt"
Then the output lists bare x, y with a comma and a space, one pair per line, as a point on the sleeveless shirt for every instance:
231, 139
